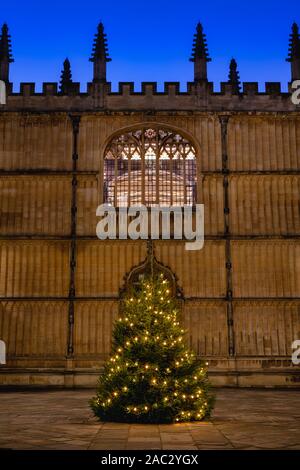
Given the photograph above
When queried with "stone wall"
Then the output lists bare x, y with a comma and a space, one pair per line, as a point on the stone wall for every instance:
241, 292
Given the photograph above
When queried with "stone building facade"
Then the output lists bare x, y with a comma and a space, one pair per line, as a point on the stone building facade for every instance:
60, 286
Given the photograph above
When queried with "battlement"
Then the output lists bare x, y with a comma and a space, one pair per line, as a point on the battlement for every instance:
147, 88
197, 96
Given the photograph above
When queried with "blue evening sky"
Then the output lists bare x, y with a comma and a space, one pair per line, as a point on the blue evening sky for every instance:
150, 41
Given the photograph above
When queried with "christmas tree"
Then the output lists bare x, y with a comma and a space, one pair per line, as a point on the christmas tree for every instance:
151, 376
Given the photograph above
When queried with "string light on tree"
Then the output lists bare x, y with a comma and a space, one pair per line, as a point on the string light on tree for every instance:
151, 376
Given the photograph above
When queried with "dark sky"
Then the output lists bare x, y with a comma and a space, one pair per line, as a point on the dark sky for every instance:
150, 41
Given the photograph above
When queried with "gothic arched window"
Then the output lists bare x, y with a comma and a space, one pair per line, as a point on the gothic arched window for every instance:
150, 166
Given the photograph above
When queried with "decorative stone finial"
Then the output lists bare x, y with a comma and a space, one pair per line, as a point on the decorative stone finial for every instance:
234, 77
100, 55
294, 53
66, 77
200, 55
6, 57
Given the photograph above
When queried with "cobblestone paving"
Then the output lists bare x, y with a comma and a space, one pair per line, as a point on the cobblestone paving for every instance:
243, 419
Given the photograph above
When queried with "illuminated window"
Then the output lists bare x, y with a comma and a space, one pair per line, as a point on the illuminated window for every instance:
150, 166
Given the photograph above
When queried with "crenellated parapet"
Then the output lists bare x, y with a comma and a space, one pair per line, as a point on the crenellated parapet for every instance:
197, 96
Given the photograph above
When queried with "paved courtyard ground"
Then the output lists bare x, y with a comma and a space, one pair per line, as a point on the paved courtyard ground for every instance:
243, 419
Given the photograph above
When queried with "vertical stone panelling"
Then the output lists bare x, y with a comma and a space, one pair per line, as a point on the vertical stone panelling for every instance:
94, 130
32, 205
91, 138
31, 141
200, 273
93, 327
34, 328
88, 199
102, 265
263, 143
208, 133
266, 328
205, 321
211, 195
267, 268
206, 324
265, 204
34, 268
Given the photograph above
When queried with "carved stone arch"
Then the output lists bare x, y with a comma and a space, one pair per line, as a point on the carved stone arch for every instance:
157, 125
148, 266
